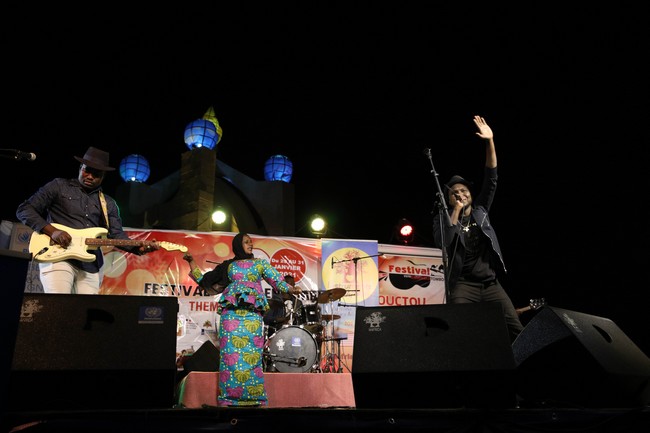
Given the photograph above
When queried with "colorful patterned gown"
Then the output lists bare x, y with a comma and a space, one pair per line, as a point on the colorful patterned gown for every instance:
242, 307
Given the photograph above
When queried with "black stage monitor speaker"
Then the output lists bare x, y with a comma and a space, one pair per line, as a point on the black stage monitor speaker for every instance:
13, 268
570, 359
94, 352
433, 356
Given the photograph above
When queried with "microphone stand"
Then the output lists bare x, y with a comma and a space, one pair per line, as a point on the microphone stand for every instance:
443, 220
356, 303
355, 260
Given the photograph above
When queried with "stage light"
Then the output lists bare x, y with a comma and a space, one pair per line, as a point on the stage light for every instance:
404, 231
223, 219
219, 216
318, 226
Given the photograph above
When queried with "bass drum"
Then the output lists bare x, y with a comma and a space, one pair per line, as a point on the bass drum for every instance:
292, 349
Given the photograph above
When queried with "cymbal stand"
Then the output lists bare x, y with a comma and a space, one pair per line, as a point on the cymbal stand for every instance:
292, 311
330, 356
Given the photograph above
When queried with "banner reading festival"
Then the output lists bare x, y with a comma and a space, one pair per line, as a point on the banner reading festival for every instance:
410, 276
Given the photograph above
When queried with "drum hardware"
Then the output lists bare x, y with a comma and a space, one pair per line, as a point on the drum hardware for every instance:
289, 309
293, 308
331, 361
292, 349
300, 362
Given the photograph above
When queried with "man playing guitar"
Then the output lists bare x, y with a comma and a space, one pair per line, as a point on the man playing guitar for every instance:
63, 205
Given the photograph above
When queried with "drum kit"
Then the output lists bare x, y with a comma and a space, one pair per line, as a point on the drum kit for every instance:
294, 339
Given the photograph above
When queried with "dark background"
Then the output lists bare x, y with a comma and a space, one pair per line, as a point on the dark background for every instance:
353, 93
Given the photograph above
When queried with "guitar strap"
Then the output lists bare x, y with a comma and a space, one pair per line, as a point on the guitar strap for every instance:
102, 200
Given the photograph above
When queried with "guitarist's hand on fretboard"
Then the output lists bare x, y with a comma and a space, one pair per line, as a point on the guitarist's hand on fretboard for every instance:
149, 246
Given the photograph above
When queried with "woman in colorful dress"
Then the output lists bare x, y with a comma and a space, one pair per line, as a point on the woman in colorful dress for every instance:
242, 306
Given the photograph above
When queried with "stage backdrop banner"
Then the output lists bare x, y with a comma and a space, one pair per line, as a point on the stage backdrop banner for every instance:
165, 272
350, 265
410, 276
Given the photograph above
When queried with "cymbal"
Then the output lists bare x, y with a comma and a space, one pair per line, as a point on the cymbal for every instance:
331, 295
328, 317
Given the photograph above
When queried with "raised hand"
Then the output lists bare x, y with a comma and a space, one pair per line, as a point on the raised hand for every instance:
484, 131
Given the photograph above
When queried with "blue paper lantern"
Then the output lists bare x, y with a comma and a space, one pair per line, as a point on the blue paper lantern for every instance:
278, 167
201, 133
134, 168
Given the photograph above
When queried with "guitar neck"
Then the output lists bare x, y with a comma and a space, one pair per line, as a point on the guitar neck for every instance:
105, 242
524, 309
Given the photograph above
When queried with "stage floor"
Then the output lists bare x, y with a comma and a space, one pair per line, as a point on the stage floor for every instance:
334, 420
312, 403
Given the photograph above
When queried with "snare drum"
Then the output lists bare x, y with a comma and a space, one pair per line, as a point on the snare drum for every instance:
292, 349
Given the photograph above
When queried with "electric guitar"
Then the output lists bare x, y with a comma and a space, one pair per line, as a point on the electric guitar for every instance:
43, 249
535, 304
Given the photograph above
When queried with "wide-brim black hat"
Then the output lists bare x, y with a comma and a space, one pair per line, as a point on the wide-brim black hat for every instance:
95, 158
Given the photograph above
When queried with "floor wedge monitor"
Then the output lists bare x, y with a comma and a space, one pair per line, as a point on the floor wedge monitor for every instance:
433, 356
94, 352
570, 359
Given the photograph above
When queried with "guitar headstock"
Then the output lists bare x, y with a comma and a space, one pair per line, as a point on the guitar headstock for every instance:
537, 303
169, 246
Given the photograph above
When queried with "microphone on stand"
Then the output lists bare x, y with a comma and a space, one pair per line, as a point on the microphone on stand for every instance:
427, 152
332, 263
19, 154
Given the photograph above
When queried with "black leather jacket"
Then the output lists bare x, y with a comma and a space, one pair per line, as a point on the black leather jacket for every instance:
480, 208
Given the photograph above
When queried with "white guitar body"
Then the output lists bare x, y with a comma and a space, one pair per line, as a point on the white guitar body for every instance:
83, 241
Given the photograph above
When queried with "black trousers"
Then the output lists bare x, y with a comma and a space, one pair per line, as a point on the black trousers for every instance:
470, 292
